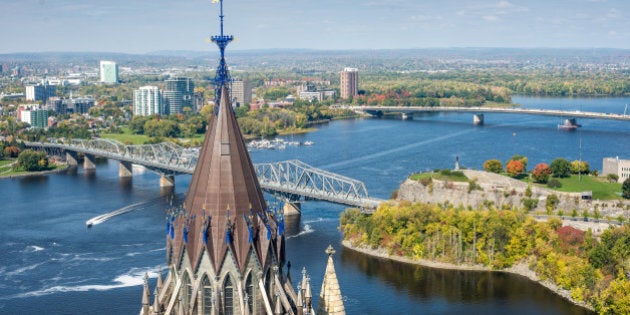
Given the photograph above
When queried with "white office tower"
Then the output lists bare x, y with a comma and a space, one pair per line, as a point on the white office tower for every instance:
147, 100
109, 72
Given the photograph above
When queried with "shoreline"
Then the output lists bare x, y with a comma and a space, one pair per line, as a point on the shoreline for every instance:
33, 174
520, 269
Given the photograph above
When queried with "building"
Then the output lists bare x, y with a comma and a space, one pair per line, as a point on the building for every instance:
241, 92
40, 92
62, 106
179, 94
109, 72
616, 166
34, 115
147, 100
309, 92
225, 248
349, 83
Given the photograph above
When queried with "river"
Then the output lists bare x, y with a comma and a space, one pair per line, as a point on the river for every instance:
51, 263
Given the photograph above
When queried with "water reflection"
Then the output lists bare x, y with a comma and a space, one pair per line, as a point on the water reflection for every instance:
458, 286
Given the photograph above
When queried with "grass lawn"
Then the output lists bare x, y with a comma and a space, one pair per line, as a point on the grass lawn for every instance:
13, 173
600, 187
126, 137
446, 176
3, 163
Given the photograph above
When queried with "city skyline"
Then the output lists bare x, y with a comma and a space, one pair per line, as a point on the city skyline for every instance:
148, 26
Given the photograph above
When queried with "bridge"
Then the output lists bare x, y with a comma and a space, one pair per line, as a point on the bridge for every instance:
293, 180
478, 119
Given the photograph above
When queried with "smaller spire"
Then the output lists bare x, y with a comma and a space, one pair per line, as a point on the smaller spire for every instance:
160, 283
308, 296
156, 303
146, 295
279, 309
300, 302
330, 298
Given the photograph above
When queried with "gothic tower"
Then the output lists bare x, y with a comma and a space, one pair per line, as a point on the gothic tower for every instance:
225, 249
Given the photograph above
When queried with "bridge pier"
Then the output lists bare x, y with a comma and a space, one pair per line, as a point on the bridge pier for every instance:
125, 169
478, 119
88, 163
292, 208
167, 181
71, 158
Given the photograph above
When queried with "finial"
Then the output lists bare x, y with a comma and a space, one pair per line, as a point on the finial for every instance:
330, 251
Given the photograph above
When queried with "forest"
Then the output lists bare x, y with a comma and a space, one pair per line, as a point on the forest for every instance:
594, 270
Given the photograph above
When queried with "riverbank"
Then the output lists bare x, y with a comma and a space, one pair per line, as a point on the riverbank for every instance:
61, 168
520, 269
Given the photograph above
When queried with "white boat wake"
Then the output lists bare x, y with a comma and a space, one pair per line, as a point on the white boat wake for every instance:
104, 217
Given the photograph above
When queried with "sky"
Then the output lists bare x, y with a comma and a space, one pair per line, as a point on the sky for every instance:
140, 26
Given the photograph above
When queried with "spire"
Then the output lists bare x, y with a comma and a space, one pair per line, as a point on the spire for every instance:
330, 299
300, 301
279, 309
222, 77
146, 295
156, 303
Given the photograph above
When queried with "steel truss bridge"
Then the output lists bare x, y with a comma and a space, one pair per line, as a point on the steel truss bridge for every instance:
294, 180
409, 110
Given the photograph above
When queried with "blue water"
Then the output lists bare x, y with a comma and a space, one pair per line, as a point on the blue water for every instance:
50, 262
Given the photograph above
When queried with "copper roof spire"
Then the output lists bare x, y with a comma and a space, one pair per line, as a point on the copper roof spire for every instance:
224, 204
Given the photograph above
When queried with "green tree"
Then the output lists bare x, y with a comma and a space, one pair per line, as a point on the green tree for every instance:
560, 167
612, 178
32, 161
625, 188
493, 166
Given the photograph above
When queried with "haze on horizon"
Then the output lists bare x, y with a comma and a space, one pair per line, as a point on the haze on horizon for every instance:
153, 25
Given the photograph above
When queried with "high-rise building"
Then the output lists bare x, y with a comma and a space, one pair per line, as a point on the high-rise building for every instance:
147, 100
242, 92
225, 248
109, 72
35, 116
349, 79
40, 92
178, 95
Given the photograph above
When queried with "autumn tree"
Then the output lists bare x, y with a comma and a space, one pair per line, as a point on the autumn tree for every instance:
514, 168
560, 167
522, 159
541, 173
493, 166
30, 161
580, 167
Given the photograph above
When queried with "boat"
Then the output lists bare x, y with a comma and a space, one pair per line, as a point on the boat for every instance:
308, 143
89, 223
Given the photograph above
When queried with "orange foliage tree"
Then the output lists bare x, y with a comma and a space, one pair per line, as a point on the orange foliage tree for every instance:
514, 168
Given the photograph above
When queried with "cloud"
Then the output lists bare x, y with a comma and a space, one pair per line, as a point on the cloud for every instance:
490, 18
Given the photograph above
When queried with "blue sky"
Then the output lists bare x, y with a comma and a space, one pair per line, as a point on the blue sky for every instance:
138, 26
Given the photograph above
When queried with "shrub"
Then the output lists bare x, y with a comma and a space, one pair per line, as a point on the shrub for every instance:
554, 183
560, 167
493, 166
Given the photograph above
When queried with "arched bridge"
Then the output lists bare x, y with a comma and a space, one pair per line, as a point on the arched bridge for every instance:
295, 180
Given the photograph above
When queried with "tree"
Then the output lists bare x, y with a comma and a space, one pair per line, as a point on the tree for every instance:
522, 159
514, 168
612, 178
578, 167
12, 151
541, 173
625, 189
551, 202
30, 161
560, 167
493, 166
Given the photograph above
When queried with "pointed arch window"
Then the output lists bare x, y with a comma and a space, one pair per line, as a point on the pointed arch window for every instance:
228, 296
249, 289
187, 290
206, 288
